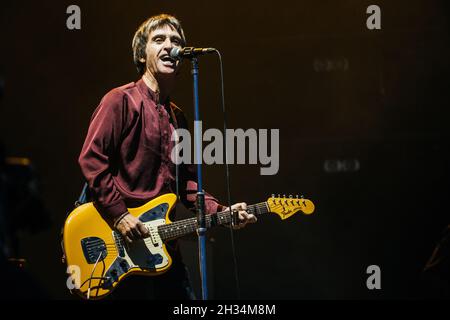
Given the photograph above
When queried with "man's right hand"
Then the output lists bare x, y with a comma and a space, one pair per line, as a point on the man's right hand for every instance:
132, 228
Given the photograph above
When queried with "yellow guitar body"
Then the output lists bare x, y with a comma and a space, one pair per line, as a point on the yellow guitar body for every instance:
97, 257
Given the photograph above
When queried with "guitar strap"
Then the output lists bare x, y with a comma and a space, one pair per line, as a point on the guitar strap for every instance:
83, 198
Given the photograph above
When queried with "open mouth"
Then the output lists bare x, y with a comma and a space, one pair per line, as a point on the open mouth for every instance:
168, 60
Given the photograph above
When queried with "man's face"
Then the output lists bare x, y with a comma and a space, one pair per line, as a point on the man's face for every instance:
160, 42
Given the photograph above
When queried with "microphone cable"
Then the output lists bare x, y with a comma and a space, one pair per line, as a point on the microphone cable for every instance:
227, 174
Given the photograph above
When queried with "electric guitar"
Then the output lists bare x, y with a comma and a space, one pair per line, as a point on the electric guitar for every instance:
98, 258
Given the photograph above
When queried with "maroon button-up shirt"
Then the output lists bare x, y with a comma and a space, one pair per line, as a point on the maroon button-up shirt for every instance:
126, 155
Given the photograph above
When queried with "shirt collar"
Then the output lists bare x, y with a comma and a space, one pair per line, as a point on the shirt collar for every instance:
145, 90
149, 93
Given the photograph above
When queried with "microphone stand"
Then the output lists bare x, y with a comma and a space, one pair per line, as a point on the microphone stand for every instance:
200, 203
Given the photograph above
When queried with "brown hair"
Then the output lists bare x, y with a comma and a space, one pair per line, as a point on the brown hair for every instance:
141, 36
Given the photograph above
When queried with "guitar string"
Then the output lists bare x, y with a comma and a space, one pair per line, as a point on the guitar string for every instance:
173, 229
169, 228
222, 215
178, 228
189, 222
209, 216
256, 207
118, 246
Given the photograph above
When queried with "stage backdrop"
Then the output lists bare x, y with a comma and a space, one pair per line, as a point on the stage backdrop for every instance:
362, 116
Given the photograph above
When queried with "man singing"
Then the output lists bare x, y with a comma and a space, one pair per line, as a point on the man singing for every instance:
126, 155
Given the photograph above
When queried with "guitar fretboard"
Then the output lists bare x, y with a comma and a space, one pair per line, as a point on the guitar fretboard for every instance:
187, 226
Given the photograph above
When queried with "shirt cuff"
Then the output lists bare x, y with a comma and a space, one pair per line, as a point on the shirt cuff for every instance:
112, 211
213, 207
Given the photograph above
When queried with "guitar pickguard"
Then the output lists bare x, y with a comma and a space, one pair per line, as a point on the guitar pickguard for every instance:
143, 255
158, 212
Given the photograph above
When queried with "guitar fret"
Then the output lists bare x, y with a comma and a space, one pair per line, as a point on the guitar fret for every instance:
183, 227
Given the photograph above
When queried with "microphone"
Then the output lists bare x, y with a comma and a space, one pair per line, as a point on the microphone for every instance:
189, 52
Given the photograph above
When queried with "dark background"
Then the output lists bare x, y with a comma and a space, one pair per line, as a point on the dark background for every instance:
336, 90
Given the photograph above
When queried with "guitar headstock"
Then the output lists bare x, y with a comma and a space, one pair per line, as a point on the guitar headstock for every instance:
288, 206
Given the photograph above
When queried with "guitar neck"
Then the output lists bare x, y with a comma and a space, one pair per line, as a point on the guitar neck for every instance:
184, 227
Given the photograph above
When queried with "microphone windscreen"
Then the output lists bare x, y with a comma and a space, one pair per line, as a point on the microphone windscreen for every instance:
175, 53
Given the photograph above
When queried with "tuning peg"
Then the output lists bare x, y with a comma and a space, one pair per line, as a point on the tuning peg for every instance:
284, 196
278, 195
290, 196
302, 197
273, 195
296, 196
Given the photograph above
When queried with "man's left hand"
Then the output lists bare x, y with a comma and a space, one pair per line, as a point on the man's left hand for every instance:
243, 216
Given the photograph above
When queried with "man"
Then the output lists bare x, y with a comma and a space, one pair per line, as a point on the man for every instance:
126, 154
